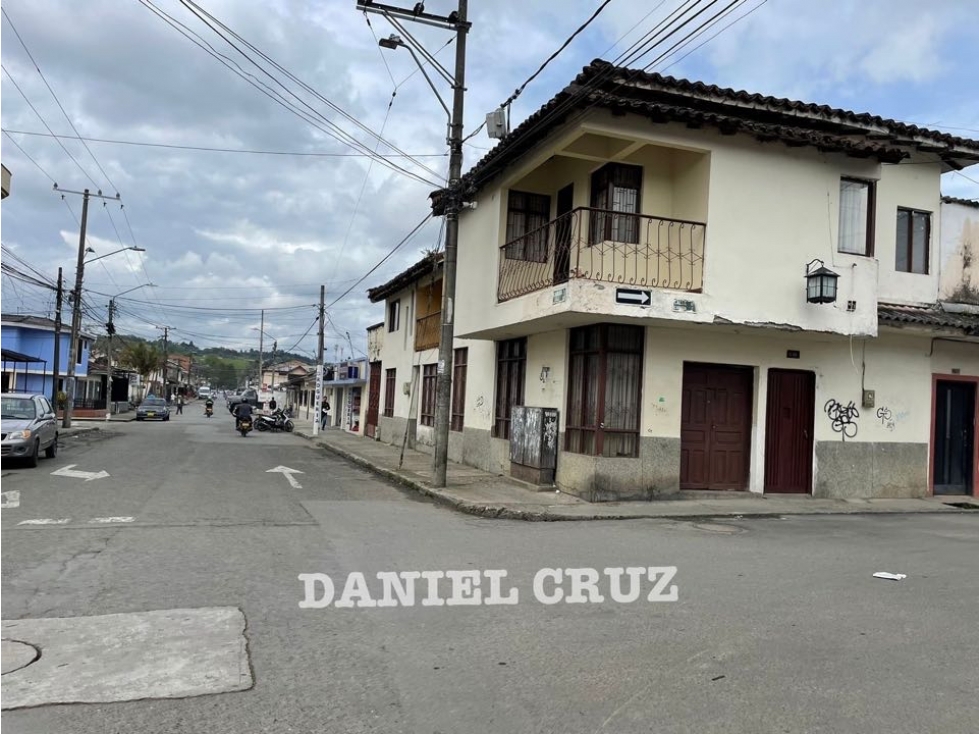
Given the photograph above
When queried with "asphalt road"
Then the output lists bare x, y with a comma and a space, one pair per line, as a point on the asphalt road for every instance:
778, 627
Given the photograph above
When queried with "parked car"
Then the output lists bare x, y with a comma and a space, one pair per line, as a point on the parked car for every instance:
153, 409
29, 426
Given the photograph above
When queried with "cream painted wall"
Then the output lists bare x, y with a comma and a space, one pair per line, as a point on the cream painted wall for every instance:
769, 210
959, 253
914, 186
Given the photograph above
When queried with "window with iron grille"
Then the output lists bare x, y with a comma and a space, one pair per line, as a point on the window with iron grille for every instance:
429, 381
390, 384
526, 226
459, 361
857, 212
615, 187
913, 241
511, 366
604, 390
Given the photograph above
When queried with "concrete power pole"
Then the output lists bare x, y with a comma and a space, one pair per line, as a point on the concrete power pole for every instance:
166, 358
318, 390
261, 334
76, 313
457, 21
56, 373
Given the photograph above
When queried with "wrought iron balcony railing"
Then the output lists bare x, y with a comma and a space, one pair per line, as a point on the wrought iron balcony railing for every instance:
608, 246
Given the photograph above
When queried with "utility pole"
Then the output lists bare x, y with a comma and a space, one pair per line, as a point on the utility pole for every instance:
57, 342
76, 312
261, 334
318, 390
275, 348
110, 329
166, 358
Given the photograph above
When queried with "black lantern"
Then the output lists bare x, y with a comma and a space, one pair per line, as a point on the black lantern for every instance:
820, 283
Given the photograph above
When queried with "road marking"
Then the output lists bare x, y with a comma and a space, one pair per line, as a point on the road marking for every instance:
287, 473
88, 476
11, 499
46, 521
112, 519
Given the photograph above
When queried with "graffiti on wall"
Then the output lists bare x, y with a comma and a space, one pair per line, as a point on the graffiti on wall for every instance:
843, 418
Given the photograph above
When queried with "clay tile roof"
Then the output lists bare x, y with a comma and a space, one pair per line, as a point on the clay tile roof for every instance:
931, 316
768, 119
964, 202
405, 278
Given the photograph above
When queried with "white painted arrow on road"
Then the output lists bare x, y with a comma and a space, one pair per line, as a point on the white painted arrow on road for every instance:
287, 473
88, 476
10, 499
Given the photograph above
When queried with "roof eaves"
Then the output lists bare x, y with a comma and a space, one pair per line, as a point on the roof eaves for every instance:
405, 278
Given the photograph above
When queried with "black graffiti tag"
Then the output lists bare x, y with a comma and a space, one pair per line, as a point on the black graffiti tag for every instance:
843, 418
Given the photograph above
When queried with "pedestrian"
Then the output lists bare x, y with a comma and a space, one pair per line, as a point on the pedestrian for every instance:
324, 413
180, 404
272, 403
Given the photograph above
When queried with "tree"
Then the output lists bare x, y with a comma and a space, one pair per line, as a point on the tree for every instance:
144, 359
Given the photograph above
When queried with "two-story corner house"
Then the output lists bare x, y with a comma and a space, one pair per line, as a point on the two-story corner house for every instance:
28, 358
717, 291
404, 355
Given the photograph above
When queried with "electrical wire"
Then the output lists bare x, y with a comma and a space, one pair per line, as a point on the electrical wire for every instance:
28, 155
58, 101
210, 149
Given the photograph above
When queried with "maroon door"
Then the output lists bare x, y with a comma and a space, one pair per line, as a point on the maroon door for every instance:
373, 400
788, 431
715, 427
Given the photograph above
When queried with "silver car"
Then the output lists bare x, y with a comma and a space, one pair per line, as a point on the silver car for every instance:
29, 426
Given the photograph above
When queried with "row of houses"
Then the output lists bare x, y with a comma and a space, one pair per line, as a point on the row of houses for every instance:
28, 366
677, 287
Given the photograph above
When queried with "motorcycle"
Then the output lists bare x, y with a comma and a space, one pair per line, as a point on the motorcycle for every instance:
209, 411
244, 426
276, 421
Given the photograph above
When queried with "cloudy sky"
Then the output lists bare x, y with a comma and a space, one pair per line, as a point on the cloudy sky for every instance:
228, 233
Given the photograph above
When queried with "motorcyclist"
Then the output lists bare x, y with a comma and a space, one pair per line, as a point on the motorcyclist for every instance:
242, 411
209, 404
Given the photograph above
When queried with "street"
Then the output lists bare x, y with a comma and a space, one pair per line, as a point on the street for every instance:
779, 625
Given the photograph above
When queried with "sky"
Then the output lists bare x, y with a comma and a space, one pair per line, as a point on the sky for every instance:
229, 233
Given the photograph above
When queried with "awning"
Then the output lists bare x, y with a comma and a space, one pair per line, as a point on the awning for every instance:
9, 355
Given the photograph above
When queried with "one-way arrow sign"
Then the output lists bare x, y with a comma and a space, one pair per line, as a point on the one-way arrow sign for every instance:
287, 473
633, 296
88, 476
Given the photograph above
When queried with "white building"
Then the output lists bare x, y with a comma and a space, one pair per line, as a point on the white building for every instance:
636, 258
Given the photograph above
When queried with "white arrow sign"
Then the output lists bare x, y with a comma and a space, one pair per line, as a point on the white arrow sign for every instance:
633, 295
88, 476
287, 472
10, 499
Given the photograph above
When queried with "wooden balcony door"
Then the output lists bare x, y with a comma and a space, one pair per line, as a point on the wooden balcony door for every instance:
563, 234
715, 426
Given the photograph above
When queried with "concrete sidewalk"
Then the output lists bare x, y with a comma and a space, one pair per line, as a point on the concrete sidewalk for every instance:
482, 493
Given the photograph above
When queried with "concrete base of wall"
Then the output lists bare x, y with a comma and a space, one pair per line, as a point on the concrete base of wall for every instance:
481, 450
868, 470
391, 430
654, 473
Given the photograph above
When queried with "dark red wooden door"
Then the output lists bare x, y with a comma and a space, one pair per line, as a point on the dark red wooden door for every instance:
788, 431
715, 427
373, 400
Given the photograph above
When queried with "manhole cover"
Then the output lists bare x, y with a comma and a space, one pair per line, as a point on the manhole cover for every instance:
17, 655
712, 527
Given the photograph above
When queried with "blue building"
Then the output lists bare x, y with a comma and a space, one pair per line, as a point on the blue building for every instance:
28, 356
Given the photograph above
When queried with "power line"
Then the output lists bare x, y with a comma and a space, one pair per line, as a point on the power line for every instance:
711, 38
554, 55
48, 127
60, 106
28, 155
211, 149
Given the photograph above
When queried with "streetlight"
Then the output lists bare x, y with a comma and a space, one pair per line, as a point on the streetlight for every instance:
453, 201
110, 329
76, 314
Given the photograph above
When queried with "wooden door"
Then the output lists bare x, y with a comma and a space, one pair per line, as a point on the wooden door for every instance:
789, 431
373, 400
563, 234
715, 428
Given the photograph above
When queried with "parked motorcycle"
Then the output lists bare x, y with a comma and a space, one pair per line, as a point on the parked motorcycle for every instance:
276, 421
244, 426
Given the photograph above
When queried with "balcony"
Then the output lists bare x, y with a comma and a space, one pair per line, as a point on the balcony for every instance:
607, 246
428, 330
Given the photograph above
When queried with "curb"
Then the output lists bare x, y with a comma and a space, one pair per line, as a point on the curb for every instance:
501, 512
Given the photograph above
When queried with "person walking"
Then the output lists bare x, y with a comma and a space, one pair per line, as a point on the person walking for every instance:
272, 404
324, 414
180, 405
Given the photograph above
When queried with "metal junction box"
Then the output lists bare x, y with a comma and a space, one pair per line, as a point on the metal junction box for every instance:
533, 444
